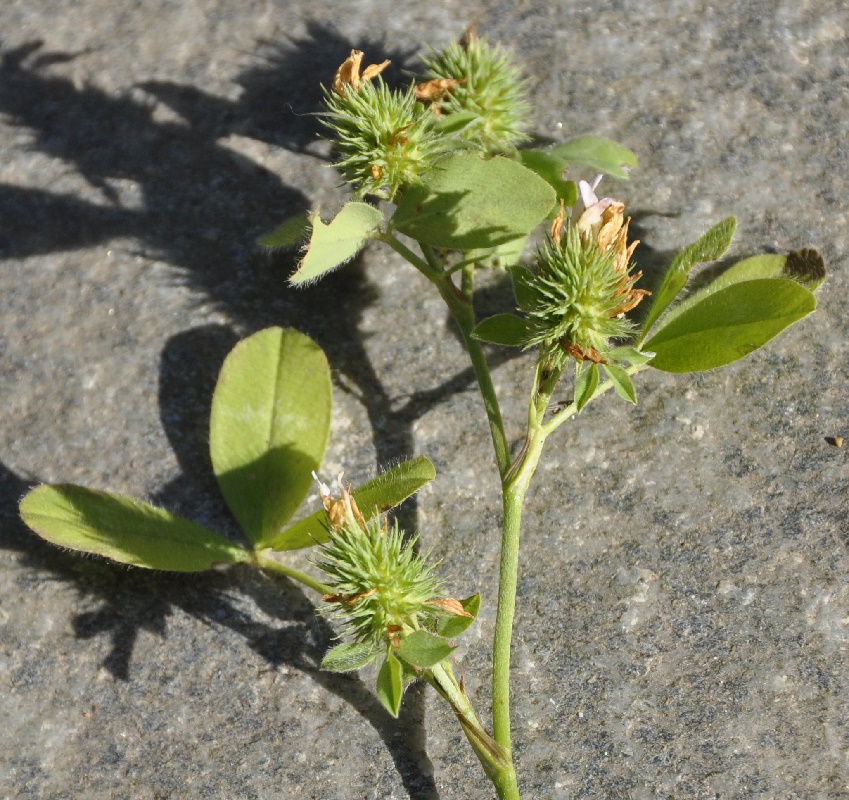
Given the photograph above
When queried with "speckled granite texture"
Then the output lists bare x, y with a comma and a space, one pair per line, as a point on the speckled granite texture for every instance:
684, 601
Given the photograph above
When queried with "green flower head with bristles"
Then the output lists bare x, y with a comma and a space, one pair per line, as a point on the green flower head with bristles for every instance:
384, 138
472, 77
382, 588
583, 284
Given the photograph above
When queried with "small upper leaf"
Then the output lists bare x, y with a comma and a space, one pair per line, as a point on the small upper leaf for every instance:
621, 382
455, 625
423, 649
349, 656
469, 203
333, 244
503, 255
709, 247
631, 355
269, 427
729, 324
509, 330
289, 232
124, 529
523, 286
586, 385
375, 497
390, 684
602, 155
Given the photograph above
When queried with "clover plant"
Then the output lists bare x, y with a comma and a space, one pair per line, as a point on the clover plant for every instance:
440, 172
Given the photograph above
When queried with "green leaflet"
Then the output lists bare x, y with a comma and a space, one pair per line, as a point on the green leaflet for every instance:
349, 656
709, 247
728, 324
509, 330
423, 649
585, 386
289, 232
602, 155
469, 203
331, 245
269, 427
621, 382
124, 529
374, 497
390, 684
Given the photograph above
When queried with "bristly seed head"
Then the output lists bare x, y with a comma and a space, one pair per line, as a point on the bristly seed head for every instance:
382, 588
583, 285
470, 75
385, 138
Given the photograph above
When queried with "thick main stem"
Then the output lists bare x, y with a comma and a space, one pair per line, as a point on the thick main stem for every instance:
514, 486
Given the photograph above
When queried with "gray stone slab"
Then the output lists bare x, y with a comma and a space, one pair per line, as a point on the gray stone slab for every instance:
684, 605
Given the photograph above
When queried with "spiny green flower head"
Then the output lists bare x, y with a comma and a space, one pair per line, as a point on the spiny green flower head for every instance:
382, 587
385, 139
488, 85
583, 284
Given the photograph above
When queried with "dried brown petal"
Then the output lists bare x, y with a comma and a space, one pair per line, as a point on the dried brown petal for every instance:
437, 89
585, 354
343, 510
557, 224
611, 224
373, 70
450, 606
349, 73
469, 36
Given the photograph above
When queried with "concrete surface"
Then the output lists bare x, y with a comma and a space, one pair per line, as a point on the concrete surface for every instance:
684, 609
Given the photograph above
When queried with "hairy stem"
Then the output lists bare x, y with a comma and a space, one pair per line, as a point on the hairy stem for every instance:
514, 486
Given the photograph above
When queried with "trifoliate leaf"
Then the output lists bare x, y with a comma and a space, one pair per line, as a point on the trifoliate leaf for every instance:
269, 427
125, 530
709, 247
331, 245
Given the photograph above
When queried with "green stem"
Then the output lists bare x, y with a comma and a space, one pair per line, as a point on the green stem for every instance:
495, 759
460, 305
264, 560
514, 486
